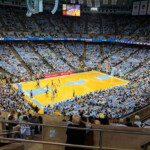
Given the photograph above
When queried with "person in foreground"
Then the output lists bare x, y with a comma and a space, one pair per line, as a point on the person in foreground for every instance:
76, 136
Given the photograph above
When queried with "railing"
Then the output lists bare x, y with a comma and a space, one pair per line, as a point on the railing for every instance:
145, 145
101, 131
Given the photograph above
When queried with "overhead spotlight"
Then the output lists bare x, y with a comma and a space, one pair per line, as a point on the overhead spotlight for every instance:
94, 9
55, 7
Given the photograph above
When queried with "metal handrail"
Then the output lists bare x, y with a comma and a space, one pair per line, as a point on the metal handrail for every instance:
75, 128
14, 132
60, 144
50, 143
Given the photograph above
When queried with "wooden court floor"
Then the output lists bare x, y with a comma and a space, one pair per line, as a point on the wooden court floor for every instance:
80, 84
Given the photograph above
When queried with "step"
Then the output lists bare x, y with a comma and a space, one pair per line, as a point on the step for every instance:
101, 54
83, 57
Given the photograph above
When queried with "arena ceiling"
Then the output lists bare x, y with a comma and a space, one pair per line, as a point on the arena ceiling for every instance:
122, 6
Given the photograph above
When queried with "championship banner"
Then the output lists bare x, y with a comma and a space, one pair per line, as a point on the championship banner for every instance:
113, 2
143, 7
135, 9
148, 10
58, 74
105, 2
97, 3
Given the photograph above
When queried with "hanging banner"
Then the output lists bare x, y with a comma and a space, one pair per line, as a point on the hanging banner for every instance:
97, 3
113, 2
105, 2
148, 10
89, 3
143, 7
136, 6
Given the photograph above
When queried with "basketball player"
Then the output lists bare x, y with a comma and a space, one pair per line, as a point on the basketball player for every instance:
47, 86
31, 94
55, 86
46, 92
38, 83
73, 93
52, 83
59, 82
53, 94
55, 91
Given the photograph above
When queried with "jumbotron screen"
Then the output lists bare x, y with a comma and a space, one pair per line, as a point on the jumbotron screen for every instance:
71, 10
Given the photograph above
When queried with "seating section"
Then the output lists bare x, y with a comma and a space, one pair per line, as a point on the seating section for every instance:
133, 62
108, 25
31, 59
64, 52
10, 20
118, 57
93, 57
9, 62
94, 27
76, 48
139, 73
50, 57
44, 22
28, 22
15, 19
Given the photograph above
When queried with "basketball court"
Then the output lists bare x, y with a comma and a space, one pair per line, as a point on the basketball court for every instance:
80, 83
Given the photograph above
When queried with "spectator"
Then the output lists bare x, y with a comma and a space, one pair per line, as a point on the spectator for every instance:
13, 115
137, 122
76, 136
128, 123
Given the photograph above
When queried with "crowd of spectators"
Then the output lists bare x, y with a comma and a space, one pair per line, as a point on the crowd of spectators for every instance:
9, 62
93, 56
31, 59
64, 52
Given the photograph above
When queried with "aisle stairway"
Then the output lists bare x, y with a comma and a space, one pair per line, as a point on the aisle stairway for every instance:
101, 54
83, 57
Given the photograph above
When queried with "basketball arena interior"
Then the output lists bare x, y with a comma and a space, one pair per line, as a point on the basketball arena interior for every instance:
74, 74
